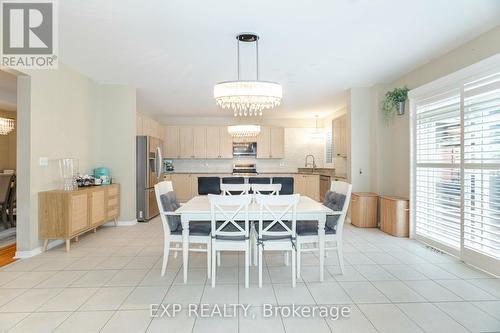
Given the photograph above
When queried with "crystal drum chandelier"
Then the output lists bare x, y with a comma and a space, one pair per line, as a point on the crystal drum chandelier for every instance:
243, 131
248, 98
6, 125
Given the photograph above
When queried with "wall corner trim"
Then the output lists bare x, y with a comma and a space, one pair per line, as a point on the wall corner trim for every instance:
38, 250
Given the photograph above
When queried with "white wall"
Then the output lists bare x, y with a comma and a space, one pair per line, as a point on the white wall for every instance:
360, 138
392, 160
113, 141
298, 143
60, 113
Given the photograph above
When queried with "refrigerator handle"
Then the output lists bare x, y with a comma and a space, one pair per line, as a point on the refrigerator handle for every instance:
159, 161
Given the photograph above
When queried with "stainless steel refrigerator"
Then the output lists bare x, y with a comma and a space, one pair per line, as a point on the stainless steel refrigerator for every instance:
149, 172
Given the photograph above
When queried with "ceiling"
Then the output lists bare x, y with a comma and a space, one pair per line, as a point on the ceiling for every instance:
174, 51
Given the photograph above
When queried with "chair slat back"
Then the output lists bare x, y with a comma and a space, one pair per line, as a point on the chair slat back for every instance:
229, 189
281, 209
162, 188
228, 210
5, 185
345, 189
270, 189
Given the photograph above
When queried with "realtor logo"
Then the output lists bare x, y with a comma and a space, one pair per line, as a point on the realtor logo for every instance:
29, 34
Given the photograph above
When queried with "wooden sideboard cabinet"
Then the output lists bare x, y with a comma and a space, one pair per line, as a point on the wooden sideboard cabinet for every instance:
67, 214
364, 209
394, 218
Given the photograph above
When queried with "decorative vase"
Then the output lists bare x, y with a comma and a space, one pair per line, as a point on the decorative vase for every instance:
401, 108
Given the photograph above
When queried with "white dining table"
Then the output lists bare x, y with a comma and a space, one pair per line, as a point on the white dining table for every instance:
198, 209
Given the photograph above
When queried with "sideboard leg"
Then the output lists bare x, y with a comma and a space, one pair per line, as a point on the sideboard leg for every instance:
68, 244
45, 244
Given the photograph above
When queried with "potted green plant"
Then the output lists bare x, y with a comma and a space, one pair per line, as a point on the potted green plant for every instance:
394, 102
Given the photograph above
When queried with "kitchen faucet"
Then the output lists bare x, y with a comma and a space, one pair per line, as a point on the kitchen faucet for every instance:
313, 162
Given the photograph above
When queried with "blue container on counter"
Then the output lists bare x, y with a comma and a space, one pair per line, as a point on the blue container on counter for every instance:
103, 174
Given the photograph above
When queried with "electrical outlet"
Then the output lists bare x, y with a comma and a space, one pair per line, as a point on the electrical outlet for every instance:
44, 161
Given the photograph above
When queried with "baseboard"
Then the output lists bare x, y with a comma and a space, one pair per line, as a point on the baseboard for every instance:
120, 223
37, 250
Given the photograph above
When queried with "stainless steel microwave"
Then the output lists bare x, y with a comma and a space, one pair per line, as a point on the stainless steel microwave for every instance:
244, 149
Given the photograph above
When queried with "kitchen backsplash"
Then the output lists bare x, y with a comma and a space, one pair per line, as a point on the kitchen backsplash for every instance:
298, 143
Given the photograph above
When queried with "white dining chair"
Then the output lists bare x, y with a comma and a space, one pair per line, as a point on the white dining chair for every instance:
199, 231
230, 228
270, 189
277, 227
307, 231
231, 189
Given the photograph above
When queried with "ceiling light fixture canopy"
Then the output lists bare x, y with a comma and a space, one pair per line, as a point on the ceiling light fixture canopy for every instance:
244, 97
243, 131
6, 125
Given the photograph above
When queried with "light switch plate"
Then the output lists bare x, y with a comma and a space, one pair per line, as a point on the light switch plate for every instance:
44, 161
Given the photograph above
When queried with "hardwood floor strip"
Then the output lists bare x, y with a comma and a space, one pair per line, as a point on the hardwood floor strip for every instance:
7, 254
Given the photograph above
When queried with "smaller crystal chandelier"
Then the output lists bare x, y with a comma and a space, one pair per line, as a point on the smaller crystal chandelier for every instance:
6, 125
243, 131
248, 98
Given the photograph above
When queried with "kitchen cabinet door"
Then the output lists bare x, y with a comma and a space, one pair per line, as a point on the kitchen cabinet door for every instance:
199, 142
264, 143
225, 143
181, 182
97, 207
186, 146
171, 142
146, 125
277, 142
299, 184
312, 186
213, 142
78, 212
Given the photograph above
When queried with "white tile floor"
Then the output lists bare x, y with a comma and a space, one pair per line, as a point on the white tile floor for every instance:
109, 279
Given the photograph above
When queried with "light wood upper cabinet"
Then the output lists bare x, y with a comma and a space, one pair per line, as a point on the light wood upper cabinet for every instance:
271, 142
264, 142
213, 142
219, 143
277, 142
339, 129
148, 126
199, 142
225, 143
171, 142
186, 142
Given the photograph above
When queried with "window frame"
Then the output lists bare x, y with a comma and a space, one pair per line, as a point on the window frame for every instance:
457, 81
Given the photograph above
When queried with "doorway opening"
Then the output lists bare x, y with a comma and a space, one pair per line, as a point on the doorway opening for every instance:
8, 167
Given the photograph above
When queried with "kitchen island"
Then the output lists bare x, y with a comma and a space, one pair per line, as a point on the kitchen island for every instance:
305, 183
